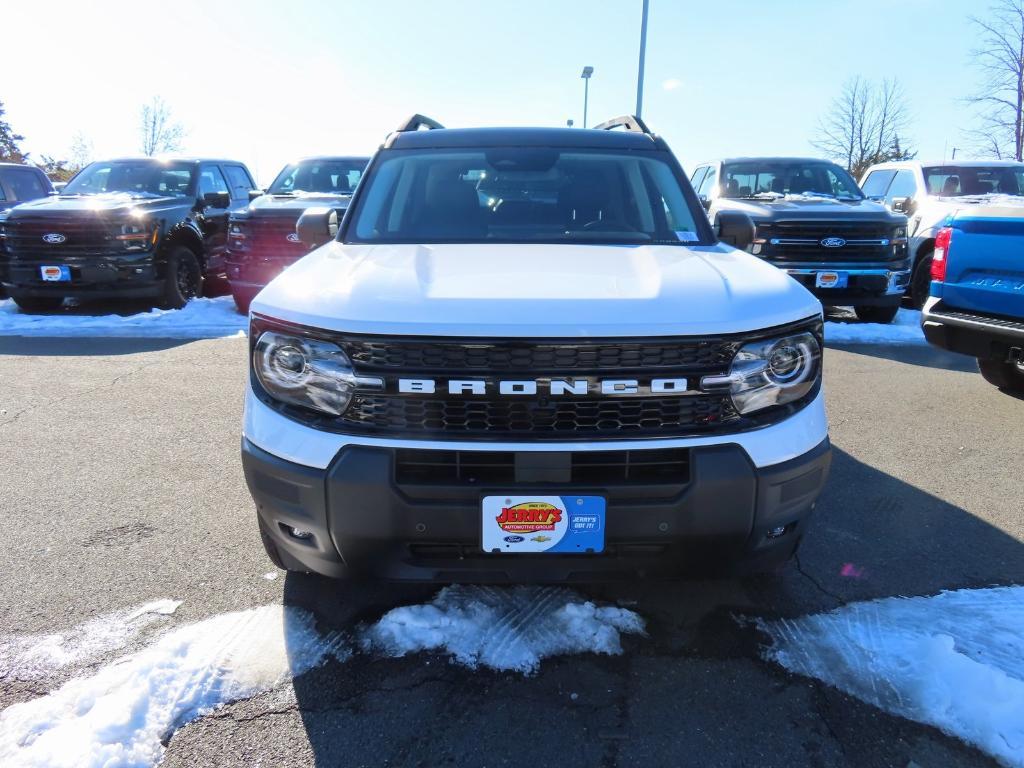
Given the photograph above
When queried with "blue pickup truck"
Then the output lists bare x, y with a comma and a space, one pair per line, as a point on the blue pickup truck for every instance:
976, 303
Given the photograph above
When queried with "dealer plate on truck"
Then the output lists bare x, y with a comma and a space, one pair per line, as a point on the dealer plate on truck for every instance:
56, 274
555, 524
830, 280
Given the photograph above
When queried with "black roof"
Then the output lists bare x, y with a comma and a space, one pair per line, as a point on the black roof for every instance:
523, 137
772, 159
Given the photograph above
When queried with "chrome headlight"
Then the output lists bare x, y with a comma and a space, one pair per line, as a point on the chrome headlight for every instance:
305, 372
771, 372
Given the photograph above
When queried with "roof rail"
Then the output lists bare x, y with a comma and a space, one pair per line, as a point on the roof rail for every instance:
629, 122
416, 122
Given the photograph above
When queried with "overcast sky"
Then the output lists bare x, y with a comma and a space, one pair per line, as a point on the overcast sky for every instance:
267, 81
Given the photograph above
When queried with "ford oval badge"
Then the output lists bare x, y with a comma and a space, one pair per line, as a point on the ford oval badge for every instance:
292, 237
833, 242
514, 539
54, 238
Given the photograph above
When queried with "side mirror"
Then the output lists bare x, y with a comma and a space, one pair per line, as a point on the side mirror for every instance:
216, 200
901, 204
254, 193
735, 228
316, 226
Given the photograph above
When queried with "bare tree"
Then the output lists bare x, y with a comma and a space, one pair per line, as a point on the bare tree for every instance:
864, 124
1000, 59
81, 151
159, 131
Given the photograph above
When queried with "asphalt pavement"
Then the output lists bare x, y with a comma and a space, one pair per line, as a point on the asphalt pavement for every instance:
121, 483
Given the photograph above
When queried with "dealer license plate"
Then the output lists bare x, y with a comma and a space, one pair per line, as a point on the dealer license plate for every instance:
59, 274
555, 524
830, 280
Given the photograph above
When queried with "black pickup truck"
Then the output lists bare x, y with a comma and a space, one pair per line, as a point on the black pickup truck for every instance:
129, 228
262, 238
814, 222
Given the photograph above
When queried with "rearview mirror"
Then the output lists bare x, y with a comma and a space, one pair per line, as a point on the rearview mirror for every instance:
316, 226
216, 200
735, 228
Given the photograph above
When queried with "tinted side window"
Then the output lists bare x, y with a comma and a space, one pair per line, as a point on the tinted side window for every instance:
707, 185
211, 180
698, 176
902, 186
239, 180
877, 183
25, 184
3, 183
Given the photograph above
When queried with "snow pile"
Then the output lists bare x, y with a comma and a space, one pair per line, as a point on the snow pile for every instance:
200, 319
30, 656
506, 629
955, 661
905, 329
118, 716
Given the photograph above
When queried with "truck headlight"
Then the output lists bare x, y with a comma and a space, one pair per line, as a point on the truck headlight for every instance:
305, 372
138, 236
771, 372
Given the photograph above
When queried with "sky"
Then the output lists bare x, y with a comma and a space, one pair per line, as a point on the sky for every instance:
265, 82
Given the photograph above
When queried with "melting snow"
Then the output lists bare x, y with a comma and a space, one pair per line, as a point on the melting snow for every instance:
905, 329
955, 661
200, 319
506, 629
118, 716
30, 656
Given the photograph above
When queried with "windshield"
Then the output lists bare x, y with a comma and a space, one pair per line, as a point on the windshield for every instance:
523, 194
775, 179
135, 177
332, 177
956, 181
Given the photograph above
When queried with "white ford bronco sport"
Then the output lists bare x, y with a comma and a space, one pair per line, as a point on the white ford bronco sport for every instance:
526, 356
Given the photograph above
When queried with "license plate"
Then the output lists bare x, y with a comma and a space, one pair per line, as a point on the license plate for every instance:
56, 274
830, 280
554, 524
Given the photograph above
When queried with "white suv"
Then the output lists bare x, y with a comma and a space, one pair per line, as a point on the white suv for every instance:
527, 356
928, 193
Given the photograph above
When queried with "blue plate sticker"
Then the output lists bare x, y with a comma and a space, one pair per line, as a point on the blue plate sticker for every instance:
55, 274
556, 524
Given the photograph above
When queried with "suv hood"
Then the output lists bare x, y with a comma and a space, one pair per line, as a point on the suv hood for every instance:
103, 203
809, 208
513, 290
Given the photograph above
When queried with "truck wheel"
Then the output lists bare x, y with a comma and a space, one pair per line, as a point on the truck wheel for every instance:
884, 314
183, 279
38, 303
1008, 376
921, 281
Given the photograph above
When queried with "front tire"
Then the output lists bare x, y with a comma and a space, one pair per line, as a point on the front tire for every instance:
921, 281
183, 279
33, 304
1006, 376
883, 314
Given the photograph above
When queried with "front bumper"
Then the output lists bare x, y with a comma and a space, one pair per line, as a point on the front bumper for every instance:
865, 286
987, 337
364, 521
96, 277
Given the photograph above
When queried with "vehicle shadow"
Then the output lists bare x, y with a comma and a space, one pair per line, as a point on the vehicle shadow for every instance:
694, 691
912, 354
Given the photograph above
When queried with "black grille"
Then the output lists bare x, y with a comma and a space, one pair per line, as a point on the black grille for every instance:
539, 358
85, 235
526, 418
599, 468
809, 235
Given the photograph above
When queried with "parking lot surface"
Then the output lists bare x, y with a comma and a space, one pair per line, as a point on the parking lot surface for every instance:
122, 485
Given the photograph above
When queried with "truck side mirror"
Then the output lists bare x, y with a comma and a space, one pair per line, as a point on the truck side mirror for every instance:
901, 204
254, 193
216, 200
735, 228
316, 226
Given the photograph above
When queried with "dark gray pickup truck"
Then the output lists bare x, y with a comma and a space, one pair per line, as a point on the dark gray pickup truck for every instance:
814, 222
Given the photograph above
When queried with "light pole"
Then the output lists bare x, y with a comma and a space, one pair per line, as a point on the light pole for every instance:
587, 72
640, 69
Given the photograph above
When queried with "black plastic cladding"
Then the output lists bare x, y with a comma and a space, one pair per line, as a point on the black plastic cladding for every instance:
534, 418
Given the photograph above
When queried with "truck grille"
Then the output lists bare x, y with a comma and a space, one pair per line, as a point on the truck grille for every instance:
796, 241
84, 236
266, 239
